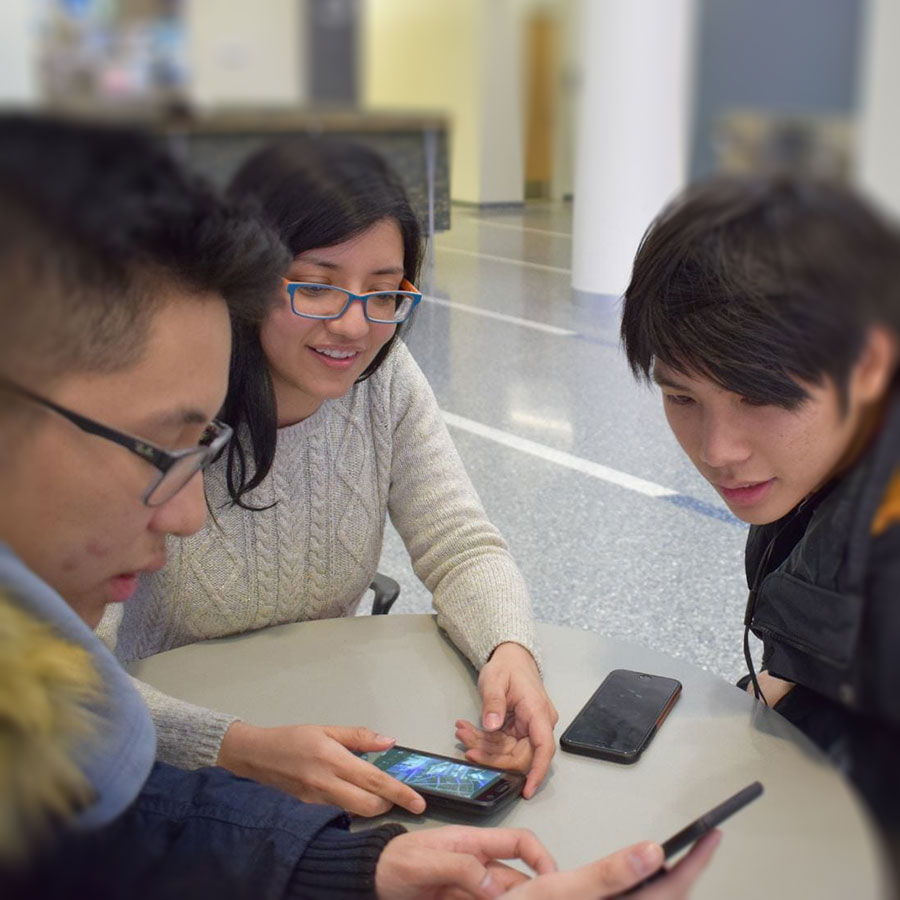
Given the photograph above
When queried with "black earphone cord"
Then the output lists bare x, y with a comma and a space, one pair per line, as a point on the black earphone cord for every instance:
751, 602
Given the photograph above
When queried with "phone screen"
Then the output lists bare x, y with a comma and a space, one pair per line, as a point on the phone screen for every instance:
432, 773
623, 712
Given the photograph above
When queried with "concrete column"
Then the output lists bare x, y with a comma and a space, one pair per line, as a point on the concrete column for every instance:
878, 149
631, 146
18, 53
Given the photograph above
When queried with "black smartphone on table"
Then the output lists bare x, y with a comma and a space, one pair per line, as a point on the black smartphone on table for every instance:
620, 719
692, 833
450, 784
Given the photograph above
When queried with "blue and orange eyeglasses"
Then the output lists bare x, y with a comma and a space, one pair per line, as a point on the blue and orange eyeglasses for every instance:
325, 301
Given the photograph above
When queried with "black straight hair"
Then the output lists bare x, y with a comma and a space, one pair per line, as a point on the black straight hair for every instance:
96, 223
760, 284
315, 192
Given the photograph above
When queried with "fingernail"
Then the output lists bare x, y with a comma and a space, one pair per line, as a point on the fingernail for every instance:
646, 859
384, 739
489, 886
492, 720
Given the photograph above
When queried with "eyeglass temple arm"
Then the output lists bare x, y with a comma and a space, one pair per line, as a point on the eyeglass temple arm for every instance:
156, 457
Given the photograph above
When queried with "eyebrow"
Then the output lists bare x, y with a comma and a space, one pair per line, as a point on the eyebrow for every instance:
663, 381
185, 415
327, 264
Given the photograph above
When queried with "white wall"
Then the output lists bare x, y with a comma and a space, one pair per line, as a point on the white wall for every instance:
244, 52
462, 58
879, 119
18, 45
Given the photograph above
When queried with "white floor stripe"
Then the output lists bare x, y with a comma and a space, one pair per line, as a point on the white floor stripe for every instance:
530, 229
442, 248
490, 314
595, 470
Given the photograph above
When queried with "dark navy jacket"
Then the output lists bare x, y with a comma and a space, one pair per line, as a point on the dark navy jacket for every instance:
208, 834
152, 830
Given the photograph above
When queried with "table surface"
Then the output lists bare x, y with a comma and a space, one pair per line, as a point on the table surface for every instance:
807, 836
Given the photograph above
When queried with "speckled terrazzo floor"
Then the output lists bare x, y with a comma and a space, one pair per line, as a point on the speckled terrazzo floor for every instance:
663, 572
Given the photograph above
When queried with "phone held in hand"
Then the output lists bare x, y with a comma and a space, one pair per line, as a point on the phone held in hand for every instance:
450, 784
709, 820
692, 833
620, 719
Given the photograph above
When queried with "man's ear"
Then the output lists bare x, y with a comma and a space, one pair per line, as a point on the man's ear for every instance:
877, 365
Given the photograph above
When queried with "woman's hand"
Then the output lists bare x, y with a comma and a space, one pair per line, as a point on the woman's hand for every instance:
517, 717
317, 763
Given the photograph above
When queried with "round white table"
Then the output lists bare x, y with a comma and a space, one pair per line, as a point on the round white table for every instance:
806, 837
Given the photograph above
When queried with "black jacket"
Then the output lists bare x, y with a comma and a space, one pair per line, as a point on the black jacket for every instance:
825, 600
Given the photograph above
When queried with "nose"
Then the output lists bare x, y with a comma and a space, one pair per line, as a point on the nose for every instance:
352, 325
723, 442
183, 514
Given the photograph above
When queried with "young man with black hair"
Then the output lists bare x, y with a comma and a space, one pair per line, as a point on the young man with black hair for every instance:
118, 273
768, 312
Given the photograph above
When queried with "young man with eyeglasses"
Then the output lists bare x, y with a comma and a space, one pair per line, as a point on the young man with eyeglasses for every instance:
768, 312
117, 277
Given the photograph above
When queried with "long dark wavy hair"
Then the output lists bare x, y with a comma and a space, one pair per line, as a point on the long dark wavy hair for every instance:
315, 192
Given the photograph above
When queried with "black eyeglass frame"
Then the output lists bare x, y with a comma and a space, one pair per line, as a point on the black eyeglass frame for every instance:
407, 289
162, 460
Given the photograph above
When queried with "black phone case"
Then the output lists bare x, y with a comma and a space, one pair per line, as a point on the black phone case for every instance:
598, 751
698, 828
469, 807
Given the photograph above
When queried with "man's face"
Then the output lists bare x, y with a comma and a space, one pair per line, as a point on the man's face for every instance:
72, 506
762, 459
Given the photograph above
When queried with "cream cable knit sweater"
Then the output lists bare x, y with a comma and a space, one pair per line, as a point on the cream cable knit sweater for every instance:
382, 447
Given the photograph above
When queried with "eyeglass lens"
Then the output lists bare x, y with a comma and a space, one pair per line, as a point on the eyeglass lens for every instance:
316, 300
177, 477
215, 438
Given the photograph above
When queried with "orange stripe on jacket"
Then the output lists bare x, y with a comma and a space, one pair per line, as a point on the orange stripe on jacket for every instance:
889, 512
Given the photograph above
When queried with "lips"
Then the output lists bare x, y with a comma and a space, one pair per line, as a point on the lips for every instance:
336, 352
745, 493
123, 587
335, 357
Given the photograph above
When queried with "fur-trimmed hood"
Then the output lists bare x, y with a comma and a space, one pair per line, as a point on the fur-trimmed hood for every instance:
76, 741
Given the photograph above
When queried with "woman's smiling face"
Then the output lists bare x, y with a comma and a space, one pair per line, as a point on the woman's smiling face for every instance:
315, 360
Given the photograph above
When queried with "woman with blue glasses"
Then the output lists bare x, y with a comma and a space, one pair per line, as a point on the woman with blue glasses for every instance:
335, 427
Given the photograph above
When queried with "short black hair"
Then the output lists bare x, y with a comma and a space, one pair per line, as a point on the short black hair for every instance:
759, 283
315, 192
95, 223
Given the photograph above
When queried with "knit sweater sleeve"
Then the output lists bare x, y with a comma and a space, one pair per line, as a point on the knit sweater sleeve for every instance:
479, 593
187, 736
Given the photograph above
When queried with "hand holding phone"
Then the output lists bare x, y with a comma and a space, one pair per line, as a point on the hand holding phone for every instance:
620, 719
702, 826
450, 784
319, 764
